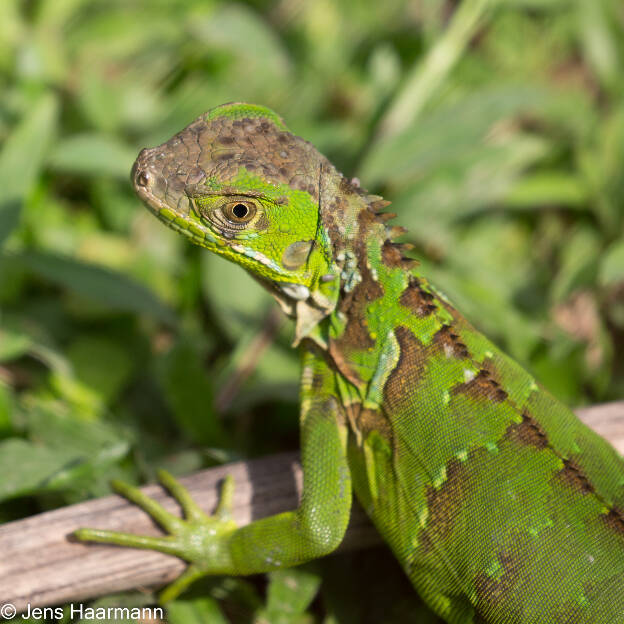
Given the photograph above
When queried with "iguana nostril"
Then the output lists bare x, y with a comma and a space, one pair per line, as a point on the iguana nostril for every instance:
143, 179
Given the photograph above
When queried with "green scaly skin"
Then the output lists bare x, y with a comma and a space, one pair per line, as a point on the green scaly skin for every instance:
499, 504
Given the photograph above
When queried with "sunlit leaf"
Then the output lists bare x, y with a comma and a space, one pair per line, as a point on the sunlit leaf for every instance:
611, 270
548, 189
446, 134
22, 157
93, 154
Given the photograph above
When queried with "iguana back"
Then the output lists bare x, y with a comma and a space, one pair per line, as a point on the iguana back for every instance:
500, 504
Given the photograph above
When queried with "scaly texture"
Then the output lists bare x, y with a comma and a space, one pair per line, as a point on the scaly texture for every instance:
500, 505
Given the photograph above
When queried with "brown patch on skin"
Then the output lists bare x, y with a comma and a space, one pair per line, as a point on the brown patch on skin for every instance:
356, 336
615, 520
405, 376
367, 222
398, 230
527, 433
354, 303
482, 386
347, 187
492, 594
282, 200
445, 504
378, 205
332, 217
418, 300
223, 155
572, 476
450, 342
226, 140
391, 255
373, 420
386, 216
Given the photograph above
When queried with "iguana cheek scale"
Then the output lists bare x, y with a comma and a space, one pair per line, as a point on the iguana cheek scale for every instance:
499, 504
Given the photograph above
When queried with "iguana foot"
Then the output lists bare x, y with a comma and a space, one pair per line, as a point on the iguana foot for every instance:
199, 538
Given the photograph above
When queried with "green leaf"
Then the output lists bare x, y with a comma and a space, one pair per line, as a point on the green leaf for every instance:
453, 131
197, 611
27, 468
13, 344
579, 263
6, 410
290, 594
430, 72
611, 271
9, 217
93, 154
242, 304
101, 364
63, 452
600, 42
98, 284
233, 23
189, 392
277, 366
466, 182
561, 370
547, 189
22, 157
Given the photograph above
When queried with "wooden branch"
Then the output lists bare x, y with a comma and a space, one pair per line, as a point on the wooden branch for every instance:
607, 419
40, 566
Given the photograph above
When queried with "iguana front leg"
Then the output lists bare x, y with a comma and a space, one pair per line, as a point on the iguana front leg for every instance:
215, 545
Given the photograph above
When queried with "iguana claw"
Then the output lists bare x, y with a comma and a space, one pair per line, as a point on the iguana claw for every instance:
198, 538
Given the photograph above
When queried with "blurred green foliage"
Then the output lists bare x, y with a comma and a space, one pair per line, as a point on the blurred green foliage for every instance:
495, 126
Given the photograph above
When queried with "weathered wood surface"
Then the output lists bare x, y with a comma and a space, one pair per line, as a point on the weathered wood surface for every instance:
40, 566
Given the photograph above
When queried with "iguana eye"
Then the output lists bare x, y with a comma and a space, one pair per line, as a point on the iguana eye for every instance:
239, 211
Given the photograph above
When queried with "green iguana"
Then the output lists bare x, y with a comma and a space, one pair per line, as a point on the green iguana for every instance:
499, 504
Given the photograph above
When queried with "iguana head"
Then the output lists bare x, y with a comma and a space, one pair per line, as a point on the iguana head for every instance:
237, 182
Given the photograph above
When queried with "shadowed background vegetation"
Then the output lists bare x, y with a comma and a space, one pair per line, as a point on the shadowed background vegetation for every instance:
495, 127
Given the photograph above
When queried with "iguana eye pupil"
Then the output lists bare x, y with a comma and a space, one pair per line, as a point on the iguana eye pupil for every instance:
237, 213
240, 211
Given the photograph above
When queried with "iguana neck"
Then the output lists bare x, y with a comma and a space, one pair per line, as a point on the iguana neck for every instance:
349, 220
366, 257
